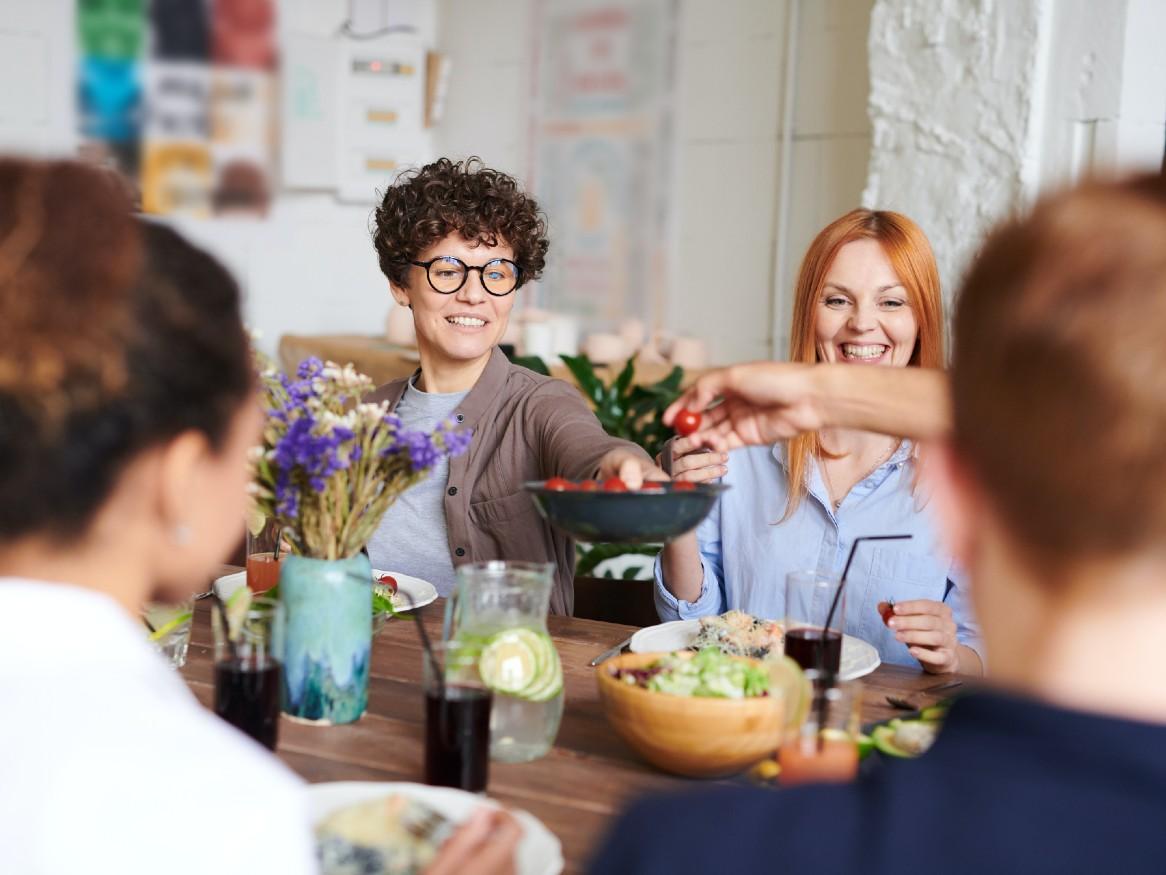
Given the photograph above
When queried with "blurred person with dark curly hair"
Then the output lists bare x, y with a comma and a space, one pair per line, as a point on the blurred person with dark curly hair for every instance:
457, 241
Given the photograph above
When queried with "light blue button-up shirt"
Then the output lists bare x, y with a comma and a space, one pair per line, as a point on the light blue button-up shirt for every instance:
746, 551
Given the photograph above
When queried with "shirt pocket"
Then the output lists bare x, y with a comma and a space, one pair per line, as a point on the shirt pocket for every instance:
911, 570
506, 508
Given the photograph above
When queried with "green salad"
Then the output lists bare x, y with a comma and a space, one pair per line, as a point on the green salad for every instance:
710, 673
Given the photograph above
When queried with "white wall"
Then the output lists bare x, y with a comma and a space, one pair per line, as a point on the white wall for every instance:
951, 101
831, 134
1104, 106
728, 107
974, 107
36, 77
311, 269
488, 104
977, 109
308, 268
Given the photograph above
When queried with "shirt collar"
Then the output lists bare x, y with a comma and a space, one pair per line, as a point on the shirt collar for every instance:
476, 403
481, 397
899, 457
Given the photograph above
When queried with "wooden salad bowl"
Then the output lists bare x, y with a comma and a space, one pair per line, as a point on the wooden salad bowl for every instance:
693, 736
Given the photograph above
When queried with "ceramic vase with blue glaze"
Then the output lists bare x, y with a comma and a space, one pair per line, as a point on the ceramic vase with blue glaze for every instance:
329, 635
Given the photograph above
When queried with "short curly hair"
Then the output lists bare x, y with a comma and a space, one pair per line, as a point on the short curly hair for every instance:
424, 206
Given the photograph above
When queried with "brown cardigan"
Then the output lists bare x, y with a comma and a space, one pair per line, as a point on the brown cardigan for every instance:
526, 427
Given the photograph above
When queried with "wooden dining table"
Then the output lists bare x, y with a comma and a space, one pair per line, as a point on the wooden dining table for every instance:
575, 790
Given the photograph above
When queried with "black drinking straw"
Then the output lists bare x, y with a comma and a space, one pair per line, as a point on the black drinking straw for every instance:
828, 677
222, 609
434, 667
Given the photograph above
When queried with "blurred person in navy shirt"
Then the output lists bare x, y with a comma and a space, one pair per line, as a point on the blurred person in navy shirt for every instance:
1049, 471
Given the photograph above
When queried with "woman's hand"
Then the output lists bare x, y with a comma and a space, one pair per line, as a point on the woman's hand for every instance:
690, 462
929, 631
630, 467
484, 845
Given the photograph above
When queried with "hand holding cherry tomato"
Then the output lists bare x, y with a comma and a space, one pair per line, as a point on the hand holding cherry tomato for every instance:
686, 422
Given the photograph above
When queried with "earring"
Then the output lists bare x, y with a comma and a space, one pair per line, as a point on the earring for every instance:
181, 534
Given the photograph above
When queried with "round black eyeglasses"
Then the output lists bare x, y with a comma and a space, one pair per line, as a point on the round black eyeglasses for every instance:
447, 274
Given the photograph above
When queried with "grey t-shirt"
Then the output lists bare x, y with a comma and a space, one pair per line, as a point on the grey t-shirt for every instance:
412, 536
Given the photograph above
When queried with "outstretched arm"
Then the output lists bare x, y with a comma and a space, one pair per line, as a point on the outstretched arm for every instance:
764, 402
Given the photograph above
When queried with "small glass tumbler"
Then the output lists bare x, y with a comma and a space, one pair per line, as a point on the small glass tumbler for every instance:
457, 719
249, 668
263, 556
809, 597
824, 748
168, 626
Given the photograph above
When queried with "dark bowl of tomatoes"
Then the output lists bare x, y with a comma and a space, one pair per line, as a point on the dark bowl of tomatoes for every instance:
609, 512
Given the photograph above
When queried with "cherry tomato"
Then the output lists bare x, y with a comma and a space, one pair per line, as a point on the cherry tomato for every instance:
560, 484
686, 422
589, 486
389, 581
682, 485
887, 610
652, 486
614, 484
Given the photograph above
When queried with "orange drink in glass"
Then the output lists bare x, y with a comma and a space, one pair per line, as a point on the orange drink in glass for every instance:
804, 761
262, 558
824, 748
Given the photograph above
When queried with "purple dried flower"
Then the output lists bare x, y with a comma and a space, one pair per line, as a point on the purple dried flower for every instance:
456, 441
423, 454
309, 368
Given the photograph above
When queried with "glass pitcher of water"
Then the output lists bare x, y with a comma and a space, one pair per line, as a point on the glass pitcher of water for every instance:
498, 611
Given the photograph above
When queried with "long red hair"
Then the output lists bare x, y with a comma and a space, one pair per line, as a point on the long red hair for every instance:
910, 255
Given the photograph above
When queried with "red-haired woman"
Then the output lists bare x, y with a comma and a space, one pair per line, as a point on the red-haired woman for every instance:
867, 295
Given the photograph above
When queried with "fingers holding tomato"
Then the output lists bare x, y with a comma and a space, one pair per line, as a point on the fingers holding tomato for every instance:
686, 422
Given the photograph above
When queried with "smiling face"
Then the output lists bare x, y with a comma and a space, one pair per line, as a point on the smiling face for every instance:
460, 328
863, 313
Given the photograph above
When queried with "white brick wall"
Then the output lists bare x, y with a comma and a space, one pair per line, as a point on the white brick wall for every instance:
976, 108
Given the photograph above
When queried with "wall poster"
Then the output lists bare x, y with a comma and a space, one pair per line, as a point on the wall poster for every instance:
602, 146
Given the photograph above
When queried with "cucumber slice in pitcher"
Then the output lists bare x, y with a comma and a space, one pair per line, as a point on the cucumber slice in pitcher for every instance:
551, 683
512, 661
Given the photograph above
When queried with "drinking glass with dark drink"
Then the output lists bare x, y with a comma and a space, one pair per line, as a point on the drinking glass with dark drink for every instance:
457, 720
809, 596
249, 665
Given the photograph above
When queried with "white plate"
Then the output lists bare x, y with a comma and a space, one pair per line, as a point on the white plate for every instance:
858, 657
228, 583
539, 852
422, 592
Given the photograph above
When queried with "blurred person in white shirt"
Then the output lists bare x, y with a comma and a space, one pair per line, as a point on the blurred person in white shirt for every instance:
127, 407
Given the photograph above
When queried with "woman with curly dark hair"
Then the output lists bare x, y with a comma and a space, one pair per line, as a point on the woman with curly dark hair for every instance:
456, 241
